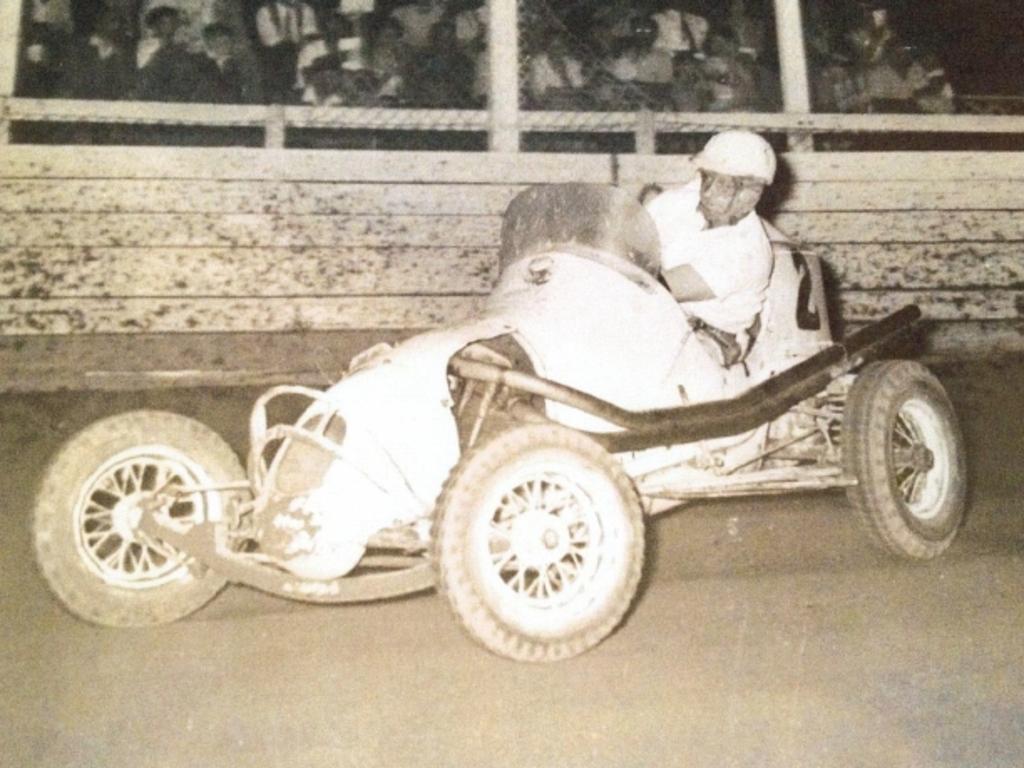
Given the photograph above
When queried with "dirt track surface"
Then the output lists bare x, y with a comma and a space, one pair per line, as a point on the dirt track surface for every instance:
767, 633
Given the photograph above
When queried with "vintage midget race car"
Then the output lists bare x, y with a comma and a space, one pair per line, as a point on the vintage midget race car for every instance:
510, 460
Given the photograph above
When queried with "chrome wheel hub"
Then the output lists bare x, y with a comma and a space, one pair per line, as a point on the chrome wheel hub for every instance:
125, 516
920, 460
542, 538
539, 539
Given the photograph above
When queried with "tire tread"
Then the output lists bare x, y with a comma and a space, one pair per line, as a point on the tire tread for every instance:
55, 554
455, 583
865, 435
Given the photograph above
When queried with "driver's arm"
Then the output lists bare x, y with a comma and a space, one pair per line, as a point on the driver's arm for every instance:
686, 284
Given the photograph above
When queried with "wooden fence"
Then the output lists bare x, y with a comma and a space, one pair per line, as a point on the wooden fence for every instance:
123, 267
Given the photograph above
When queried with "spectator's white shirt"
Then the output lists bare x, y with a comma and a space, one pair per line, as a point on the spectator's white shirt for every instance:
280, 22
308, 55
676, 30
417, 24
471, 24
482, 75
734, 260
195, 14
53, 13
699, 28
103, 47
623, 68
147, 47
653, 66
544, 74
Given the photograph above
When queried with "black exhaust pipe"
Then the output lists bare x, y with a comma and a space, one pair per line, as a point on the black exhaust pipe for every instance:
717, 418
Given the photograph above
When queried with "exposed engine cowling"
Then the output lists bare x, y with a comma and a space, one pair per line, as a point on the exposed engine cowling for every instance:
304, 538
320, 506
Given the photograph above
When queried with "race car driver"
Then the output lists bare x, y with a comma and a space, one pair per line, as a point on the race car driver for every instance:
716, 256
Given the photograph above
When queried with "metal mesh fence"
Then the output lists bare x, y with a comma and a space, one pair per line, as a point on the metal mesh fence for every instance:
601, 75
990, 105
359, 64
590, 67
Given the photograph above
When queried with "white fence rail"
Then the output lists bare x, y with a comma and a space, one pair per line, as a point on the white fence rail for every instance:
275, 120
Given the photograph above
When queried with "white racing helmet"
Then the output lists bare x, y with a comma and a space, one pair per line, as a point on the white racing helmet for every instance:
738, 153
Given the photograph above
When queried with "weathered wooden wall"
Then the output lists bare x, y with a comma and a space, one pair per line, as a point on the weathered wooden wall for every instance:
124, 266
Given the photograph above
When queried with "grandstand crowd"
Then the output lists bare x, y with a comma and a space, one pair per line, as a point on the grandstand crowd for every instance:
677, 55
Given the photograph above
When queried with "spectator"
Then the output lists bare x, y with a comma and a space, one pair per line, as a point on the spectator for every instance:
102, 69
836, 90
46, 47
227, 80
639, 61
731, 87
690, 90
633, 73
481, 76
443, 74
556, 77
39, 71
604, 31
418, 20
314, 65
750, 33
471, 27
891, 83
281, 26
128, 18
673, 33
833, 83
680, 29
934, 94
732, 79
820, 36
336, 75
232, 14
471, 37
242, 53
55, 15
189, 33
170, 71
387, 59
343, 34
872, 40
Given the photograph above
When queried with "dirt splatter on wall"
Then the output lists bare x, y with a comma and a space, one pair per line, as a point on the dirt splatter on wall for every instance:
104, 242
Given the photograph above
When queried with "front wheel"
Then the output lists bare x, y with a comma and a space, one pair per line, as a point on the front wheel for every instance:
539, 543
92, 497
902, 443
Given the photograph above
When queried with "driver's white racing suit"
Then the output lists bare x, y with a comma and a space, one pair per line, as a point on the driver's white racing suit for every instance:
735, 261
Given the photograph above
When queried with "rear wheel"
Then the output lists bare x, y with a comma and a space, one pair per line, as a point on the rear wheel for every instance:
88, 508
902, 443
539, 543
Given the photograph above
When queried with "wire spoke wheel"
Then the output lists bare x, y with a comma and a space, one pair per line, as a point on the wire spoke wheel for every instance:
902, 443
93, 496
538, 540
920, 466
544, 540
108, 511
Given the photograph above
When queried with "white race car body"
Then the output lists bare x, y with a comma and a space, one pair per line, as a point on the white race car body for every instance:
509, 460
586, 319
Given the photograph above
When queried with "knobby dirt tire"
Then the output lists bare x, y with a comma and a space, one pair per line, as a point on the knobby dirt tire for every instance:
480, 602
58, 531
886, 401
